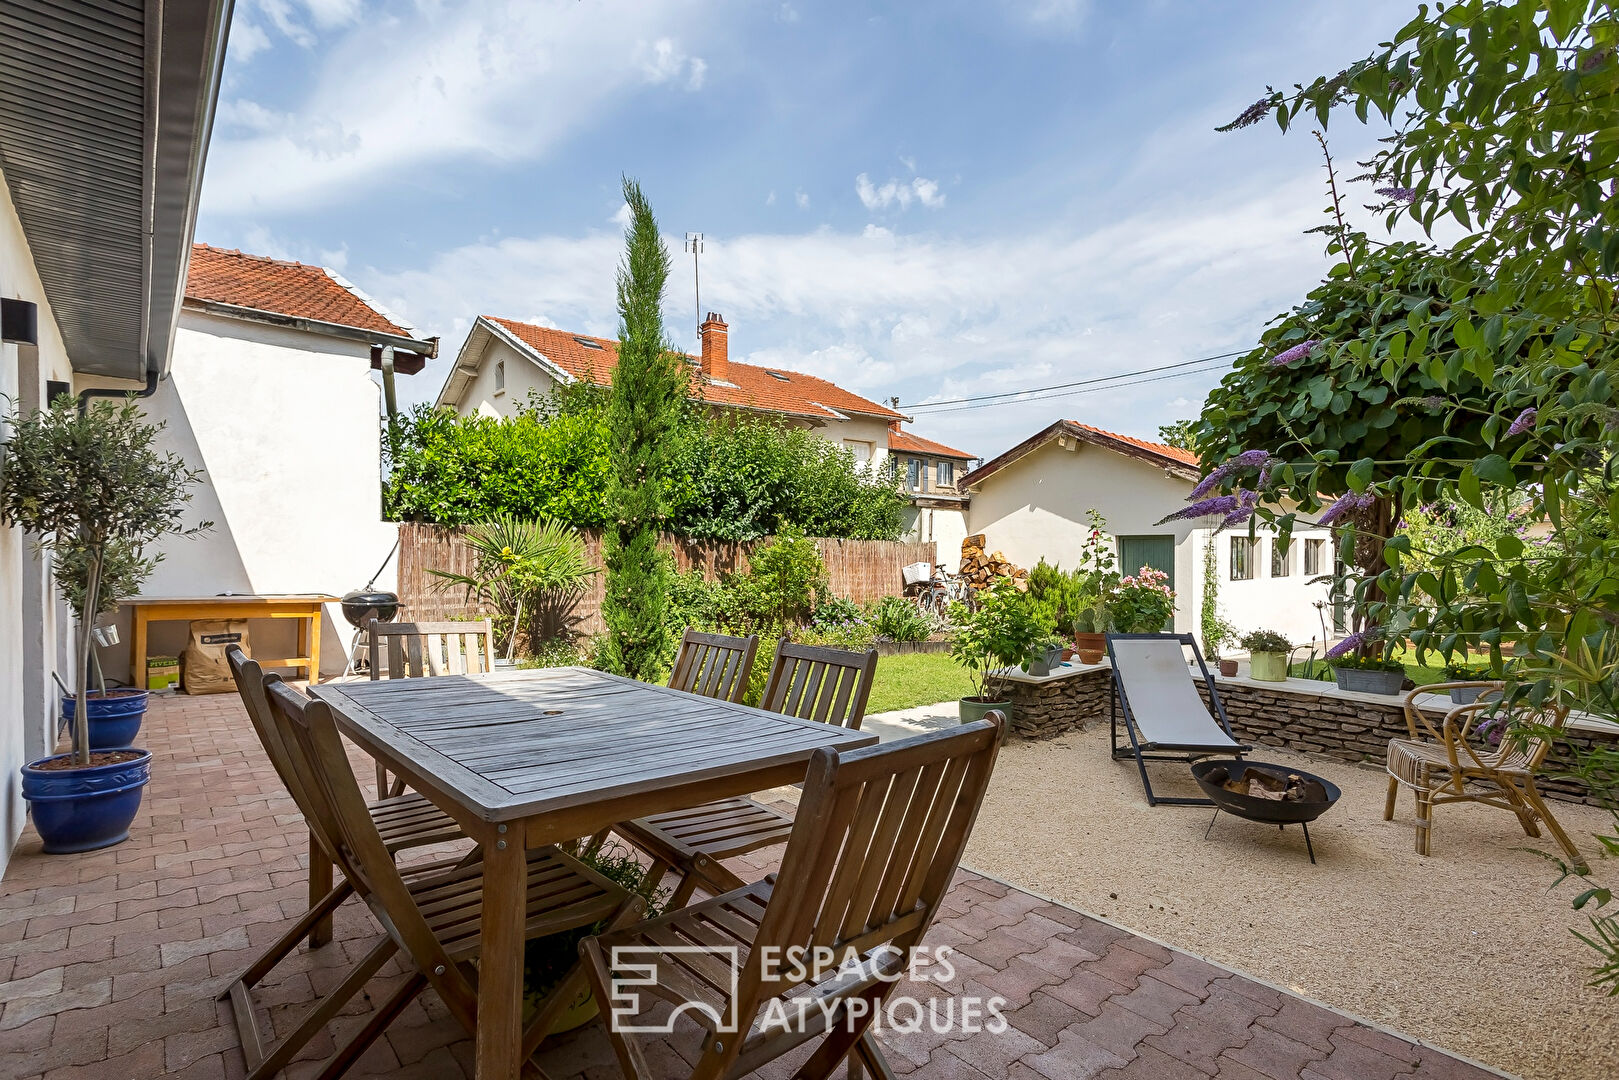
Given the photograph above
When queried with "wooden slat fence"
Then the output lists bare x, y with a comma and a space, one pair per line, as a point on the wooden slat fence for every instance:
862, 570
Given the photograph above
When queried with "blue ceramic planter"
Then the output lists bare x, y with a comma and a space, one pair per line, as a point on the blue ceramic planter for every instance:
115, 720
85, 809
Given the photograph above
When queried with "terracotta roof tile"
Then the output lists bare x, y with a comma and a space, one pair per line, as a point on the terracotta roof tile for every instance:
226, 276
907, 442
767, 389
1186, 457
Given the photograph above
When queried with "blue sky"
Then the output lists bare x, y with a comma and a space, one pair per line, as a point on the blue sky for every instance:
923, 200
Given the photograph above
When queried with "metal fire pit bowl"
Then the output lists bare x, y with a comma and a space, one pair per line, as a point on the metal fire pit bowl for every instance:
1211, 776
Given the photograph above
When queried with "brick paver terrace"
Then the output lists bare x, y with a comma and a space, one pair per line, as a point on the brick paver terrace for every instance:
110, 963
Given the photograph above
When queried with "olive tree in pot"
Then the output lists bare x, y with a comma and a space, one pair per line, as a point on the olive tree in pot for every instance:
91, 485
1001, 633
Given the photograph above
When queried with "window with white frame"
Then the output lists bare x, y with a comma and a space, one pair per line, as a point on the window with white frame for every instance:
913, 474
1281, 558
1244, 553
500, 376
1315, 560
944, 474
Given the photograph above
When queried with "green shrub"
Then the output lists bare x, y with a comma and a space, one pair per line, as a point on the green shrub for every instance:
857, 635
1265, 641
898, 619
1000, 633
785, 579
836, 609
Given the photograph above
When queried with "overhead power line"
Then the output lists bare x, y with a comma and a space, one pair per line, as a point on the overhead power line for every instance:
1201, 365
1075, 392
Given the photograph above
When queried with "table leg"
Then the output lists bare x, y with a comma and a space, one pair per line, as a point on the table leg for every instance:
137, 649
320, 883
314, 646
500, 970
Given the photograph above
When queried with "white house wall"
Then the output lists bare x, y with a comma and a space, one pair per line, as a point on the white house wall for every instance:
1036, 507
32, 631
284, 426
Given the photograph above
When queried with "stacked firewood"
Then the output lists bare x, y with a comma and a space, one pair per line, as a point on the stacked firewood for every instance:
981, 568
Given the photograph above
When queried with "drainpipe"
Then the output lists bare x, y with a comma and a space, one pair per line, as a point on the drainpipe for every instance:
388, 383
106, 392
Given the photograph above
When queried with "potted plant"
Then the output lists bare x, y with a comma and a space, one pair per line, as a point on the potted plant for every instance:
1047, 655
91, 485
1143, 603
1466, 695
998, 634
1363, 662
115, 714
1267, 655
1218, 633
1090, 632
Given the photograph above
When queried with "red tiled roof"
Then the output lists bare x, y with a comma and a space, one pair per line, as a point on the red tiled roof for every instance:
1184, 456
906, 442
226, 276
768, 389
1180, 462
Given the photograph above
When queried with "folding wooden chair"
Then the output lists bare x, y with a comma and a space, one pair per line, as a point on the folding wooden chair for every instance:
1452, 763
435, 920
408, 650
1164, 716
811, 683
878, 839
714, 665
405, 822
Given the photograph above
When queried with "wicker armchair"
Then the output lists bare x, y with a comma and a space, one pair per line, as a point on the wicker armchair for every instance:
1453, 763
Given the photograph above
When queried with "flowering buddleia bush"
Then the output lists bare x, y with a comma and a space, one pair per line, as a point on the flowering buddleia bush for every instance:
1483, 373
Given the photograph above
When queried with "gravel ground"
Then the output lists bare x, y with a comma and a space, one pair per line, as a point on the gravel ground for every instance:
1469, 948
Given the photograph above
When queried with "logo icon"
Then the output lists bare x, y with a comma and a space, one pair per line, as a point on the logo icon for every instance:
638, 965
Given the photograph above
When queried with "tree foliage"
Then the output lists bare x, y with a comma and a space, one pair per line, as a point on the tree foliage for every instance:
1504, 120
644, 408
91, 483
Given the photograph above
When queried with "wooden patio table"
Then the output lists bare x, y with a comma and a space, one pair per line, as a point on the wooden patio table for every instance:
523, 759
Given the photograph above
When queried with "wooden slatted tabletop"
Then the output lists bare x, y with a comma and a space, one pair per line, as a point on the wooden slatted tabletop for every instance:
549, 754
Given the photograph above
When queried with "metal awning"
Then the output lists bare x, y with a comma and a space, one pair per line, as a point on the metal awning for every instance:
105, 112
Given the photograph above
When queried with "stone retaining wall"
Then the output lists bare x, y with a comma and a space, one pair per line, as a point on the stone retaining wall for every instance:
1350, 728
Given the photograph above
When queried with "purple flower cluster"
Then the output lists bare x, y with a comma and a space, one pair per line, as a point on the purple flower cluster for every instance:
1220, 504
1250, 116
1398, 194
1344, 505
1245, 509
1350, 644
1295, 354
1248, 459
1524, 422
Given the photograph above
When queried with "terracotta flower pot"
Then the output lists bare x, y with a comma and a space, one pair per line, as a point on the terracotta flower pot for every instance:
1228, 668
1090, 648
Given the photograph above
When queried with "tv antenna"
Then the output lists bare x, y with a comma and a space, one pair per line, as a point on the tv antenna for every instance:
694, 244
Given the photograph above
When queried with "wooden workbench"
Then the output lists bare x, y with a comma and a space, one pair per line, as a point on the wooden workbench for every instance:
306, 607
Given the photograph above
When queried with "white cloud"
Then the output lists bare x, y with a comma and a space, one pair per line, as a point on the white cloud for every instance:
501, 80
1046, 13
929, 317
787, 14
900, 193
770, 200
801, 197
663, 61
247, 40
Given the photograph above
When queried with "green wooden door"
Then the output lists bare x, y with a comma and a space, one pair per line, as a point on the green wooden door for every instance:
1157, 552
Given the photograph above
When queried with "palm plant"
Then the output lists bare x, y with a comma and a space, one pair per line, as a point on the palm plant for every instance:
516, 560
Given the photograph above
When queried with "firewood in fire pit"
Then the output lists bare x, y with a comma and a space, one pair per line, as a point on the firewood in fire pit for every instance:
1263, 785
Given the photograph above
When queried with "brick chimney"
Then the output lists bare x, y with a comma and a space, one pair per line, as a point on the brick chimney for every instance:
716, 353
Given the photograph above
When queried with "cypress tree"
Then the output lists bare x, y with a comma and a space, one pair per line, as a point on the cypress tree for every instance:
643, 413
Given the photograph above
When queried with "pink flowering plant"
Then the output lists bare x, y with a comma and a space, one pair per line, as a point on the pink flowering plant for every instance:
1143, 602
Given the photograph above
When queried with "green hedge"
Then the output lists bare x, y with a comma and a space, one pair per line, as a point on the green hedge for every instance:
738, 478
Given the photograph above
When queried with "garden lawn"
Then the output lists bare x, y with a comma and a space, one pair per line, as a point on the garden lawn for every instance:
916, 679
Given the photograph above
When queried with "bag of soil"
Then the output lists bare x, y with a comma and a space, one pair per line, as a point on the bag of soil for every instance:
206, 670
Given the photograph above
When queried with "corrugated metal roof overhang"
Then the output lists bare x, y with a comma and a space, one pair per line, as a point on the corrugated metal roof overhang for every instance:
105, 112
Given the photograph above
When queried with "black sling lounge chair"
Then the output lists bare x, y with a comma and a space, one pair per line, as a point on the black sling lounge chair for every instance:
1163, 714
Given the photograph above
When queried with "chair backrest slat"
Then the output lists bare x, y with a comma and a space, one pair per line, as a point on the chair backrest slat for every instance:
714, 665
414, 650
878, 836
815, 683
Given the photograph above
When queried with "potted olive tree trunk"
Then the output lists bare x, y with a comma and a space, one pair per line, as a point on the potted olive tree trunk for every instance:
90, 484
